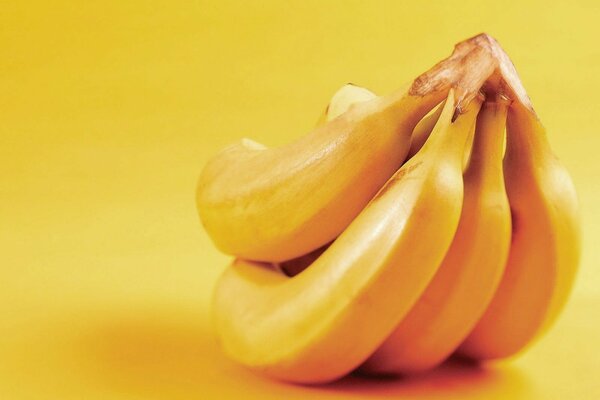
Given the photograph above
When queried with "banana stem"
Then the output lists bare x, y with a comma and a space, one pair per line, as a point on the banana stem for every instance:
475, 62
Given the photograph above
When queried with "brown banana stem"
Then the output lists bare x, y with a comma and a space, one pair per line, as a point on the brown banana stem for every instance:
474, 63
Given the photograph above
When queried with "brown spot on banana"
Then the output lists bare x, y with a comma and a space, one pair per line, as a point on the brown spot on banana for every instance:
397, 177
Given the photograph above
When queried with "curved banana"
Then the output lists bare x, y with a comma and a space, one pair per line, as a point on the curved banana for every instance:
544, 252
276, 204
324, 322
471, 271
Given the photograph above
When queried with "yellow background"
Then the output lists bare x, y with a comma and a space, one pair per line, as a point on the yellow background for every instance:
108, 110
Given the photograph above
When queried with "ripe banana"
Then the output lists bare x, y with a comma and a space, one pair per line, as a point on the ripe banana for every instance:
545, 246
276, 204
324, 322
469, 275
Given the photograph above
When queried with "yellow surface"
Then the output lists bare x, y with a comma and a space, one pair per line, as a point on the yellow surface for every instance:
108, 112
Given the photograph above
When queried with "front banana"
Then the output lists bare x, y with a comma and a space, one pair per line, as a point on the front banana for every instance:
545, 246
324, 322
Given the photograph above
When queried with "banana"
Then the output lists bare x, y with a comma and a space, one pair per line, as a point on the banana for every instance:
324, 322
280, 203
276, 204
544, 252
471, 271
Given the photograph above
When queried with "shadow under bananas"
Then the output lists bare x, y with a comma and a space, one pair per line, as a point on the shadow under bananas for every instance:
174, 355
456, 378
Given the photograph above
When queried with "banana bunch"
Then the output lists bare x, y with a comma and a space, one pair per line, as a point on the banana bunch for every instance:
401, 230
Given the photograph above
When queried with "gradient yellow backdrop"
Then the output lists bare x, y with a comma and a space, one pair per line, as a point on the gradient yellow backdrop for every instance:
109, 109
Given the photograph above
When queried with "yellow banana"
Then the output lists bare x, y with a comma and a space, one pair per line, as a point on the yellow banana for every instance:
469, 275
277, 204
544, 251
324, 322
